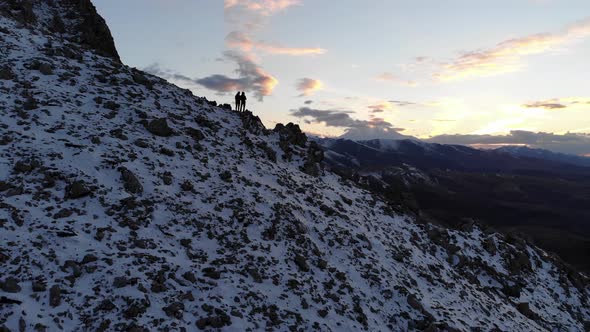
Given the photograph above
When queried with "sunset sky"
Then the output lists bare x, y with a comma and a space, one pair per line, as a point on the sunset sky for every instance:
484, 73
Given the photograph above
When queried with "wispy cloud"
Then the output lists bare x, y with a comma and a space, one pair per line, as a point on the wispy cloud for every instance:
354, 128
389, 77
168, 74
250, 77
308, 86
550, 105
507, 56
558, 103
380, 107
244, 42
260, 7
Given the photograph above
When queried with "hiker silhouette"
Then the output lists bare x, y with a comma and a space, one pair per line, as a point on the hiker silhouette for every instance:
238, 103
243, 101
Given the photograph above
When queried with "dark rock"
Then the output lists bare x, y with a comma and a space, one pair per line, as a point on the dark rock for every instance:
77, 189
89, 258
106, 305
5, 300
120, 282
159, 127
54, 296
252, 123
39, 285
57, 25
226, 176
167, 152
141, 143
167, 178
130, 181
301, 263
25, 166
135, 309
291, 133
30, 104
93, 30
195, 134
139, 78
10, 285
6, 73
414, 303
63, 213
187, 186
175, 310
218, 321
490, 246
46, 69
313, 160
190, 277
519, 263
525, 309
111, 105
212, 273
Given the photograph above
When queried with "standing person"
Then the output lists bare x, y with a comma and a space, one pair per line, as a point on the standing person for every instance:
238, 103
243, 101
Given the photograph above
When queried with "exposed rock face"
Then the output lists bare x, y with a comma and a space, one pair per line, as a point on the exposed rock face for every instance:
291, 133
77, 20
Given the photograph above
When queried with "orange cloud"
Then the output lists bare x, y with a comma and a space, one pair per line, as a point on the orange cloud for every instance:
380, 107
506, 56
236, 39
308, 86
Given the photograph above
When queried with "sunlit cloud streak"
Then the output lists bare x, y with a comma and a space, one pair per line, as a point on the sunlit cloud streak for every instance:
507, 56
308, 86
244, 42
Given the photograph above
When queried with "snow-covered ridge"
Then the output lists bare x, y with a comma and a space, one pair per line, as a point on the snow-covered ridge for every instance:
127, 203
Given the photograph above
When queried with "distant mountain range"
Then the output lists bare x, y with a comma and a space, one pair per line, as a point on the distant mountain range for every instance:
379, 152
524, 151
542, 194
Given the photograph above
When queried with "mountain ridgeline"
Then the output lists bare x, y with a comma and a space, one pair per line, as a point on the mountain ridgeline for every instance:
129, 204
537, 194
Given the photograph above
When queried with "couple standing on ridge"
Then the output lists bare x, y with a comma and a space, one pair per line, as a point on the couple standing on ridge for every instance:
241, 101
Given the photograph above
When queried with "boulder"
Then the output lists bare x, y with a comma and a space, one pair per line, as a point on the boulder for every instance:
10, 285
54, 296
130, 181
159, 127
77, 189
45, 69
174, 310
6, 73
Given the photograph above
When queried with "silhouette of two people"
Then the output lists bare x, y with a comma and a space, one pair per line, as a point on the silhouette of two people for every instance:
241, 101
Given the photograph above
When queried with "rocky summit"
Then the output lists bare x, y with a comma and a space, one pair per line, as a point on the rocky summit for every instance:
128, 204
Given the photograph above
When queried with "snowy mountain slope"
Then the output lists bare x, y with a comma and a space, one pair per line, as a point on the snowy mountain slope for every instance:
126, 203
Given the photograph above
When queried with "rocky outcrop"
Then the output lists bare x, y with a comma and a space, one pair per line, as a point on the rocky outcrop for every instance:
76, 20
